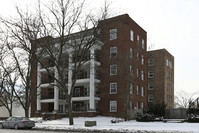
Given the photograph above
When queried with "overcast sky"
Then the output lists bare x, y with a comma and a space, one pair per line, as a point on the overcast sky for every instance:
170, 24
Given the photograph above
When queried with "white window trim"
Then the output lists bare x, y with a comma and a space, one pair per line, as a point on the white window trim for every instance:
112, 70
149, 86
150, 62
142, 60
142, 92
112, 51
142, 75
138, 39
113, 34
150, 74
131, 88
137, 88
114, 83
150, 97
142, 105
143, 44
113, 102
131, 35
131, 70
131, 53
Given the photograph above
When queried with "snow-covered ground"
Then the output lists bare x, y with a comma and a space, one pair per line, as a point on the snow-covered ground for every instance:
104, 124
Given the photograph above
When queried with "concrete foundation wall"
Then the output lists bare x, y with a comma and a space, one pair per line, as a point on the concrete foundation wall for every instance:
176, 113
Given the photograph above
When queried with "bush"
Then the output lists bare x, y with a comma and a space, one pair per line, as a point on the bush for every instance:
158, 110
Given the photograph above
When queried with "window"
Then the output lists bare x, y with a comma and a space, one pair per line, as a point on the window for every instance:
143, 46
167, 75
137, 72
77, 92
138, 39
142, 105
137, 105
113, 69
86, 91
113, 106
170, 64
131, 53
150, 74
131, 70
131, 104
150, 86
142, 92
113, 34
150, 98
113, 51
113, 88
131, 88
131, 35
142, 61
61, 107
142, 75
167, 62
137, 56
150, 62
137, 89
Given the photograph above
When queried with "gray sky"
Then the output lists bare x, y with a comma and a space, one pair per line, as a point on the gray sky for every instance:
170, 24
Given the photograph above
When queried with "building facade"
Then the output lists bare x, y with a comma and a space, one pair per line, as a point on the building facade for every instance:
115, 83
161, 77
123, 69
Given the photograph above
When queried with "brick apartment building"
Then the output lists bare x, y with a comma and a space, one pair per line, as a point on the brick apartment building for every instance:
161, 77
121, 86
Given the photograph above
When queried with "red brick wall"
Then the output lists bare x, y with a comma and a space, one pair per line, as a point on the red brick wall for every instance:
160, 92
123, 24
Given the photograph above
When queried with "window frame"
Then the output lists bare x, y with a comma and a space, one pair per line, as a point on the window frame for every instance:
113, 72
142, 75
138, 39
143, 44
142, 59
131, 53
150, 62
113, 52
150, 97
137, 88
113, 34
131, 88
131, 35
131, 70
151, 83
112, 108
142, 91
151, 74
111, 85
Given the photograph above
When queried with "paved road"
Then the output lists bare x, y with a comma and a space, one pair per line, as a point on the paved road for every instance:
30, 131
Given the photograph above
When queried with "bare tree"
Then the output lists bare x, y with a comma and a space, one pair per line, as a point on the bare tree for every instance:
68, 51
7, 81
18, 34
56, 23
182, 99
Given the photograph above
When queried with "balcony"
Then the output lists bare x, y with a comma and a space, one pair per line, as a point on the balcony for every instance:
86, 94
49, 96
45, 81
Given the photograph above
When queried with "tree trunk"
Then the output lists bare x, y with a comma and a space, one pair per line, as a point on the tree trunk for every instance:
70, 114
10, 113
27, 112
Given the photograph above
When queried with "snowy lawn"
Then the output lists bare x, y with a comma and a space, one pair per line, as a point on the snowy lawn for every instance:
104, 124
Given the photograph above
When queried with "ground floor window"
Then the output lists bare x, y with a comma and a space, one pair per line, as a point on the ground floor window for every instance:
113, 106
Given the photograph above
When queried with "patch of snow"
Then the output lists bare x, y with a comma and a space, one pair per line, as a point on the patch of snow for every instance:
104, 124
